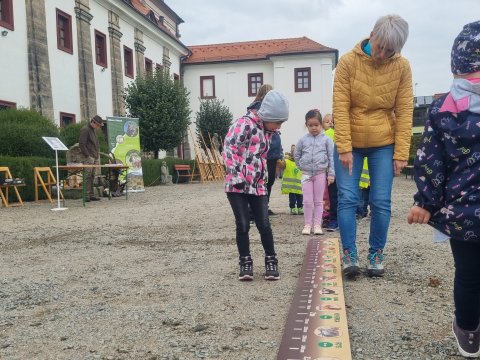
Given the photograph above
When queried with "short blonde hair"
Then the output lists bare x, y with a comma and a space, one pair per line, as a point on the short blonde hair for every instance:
391, 31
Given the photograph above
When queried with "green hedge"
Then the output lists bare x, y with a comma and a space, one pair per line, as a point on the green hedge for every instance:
21, 133
151, 169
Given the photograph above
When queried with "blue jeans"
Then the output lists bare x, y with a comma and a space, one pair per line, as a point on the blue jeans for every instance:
380, 167
362, 208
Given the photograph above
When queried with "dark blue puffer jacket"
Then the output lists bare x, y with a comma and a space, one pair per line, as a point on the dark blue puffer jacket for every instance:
275, 151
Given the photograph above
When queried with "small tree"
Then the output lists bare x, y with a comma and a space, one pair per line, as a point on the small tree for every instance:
162, 106
212, 117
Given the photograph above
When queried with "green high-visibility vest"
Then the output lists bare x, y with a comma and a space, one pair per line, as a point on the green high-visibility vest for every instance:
292, 178
365, 176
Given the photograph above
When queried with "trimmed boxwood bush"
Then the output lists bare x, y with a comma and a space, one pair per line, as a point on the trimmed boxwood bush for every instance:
21, 133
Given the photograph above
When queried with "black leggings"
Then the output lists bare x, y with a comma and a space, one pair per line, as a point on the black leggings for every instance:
272, 173
259, 205
466, 286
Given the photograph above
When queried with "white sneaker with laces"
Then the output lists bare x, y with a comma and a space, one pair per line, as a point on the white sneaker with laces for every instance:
307, 229
317, 230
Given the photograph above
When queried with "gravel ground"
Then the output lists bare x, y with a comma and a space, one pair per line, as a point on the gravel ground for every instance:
155, 277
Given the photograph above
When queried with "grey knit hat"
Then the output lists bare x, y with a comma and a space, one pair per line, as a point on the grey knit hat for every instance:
274, 107
465, 50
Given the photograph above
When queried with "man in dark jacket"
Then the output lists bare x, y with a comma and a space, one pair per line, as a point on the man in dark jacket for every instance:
90, 151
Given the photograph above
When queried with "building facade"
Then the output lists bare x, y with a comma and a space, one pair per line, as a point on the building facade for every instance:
300, 68
72, 59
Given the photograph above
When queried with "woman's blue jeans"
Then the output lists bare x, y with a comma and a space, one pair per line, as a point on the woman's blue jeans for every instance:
380, 167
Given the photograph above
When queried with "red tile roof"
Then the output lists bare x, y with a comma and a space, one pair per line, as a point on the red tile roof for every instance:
147, 12
254, 50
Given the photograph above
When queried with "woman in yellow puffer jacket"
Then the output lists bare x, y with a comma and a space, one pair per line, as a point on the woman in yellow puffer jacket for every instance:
373, 109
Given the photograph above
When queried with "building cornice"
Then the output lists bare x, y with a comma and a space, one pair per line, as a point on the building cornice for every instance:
128, 12
115, 33
83, 14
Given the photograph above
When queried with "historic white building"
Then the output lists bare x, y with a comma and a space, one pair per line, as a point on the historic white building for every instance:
300, 68
72, 59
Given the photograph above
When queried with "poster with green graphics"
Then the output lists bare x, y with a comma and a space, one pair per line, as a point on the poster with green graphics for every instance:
124, 144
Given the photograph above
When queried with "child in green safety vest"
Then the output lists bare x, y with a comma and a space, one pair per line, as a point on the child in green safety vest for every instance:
364, 194
292, 184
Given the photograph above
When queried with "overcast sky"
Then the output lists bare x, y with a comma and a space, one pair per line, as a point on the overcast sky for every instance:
339, 24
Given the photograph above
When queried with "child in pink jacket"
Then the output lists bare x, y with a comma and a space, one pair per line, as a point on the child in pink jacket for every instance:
245, 151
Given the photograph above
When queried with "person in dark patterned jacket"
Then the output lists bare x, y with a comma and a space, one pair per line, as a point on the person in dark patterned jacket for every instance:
244, 153
447, 175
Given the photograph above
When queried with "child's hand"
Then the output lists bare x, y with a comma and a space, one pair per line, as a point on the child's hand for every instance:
239, 186
330, 180
418, 215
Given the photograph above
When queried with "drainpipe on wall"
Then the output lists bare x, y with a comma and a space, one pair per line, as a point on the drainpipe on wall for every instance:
181, 71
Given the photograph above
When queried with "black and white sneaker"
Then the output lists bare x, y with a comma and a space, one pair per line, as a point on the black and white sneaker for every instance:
271, 268
468, 341
246, 268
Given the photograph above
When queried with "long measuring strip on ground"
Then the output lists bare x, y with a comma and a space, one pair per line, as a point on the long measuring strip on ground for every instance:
316, 327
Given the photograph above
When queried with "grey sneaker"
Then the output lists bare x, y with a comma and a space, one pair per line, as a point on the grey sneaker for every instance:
375, 264
246, 268
271, 268
468, 341
350, 263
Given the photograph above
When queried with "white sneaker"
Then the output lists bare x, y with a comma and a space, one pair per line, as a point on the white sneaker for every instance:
317, 230
307, 229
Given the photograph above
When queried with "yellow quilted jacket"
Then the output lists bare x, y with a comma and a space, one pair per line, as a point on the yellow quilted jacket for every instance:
373, 103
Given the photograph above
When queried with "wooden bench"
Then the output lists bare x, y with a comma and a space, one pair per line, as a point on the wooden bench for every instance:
184, 171
408, 170
5, 186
